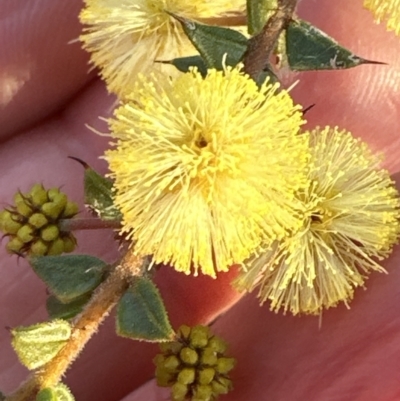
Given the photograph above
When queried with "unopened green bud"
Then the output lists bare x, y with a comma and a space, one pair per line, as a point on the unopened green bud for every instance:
15, 245
221, 386
70, 210
206, 375
23, 208
26, 233
7, 223
56, 247
38, 248
52, 193
186, 376
52, 210
189, 356
69, 244
203, 393
171, 363
178, 392
208, 357
50, 233
199, 336
217, 344
38, 220
224, 365
38, 195
196, 368
60, 200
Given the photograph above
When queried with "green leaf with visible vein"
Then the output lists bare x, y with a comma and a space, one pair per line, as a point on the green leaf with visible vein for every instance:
309, 48
141, 314
214, 42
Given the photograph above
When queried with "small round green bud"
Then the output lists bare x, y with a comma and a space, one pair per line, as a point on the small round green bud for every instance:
7, 223
52, 193
184, 331
208, 357
50, 233
199, 336
224, 365
171, 363
221, 386
56, 247
189, 356
52, 210
38, 220
69, 243
178, 392
173, 347
217, 344
38, 248
164, 378
206, 375
70, 210
23, 209
18, 197
38, 195
203, 393
15, 245
194, 373
26, 233
60, 200
186, 376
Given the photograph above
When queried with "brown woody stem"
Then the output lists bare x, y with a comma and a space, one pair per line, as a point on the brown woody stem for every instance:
87, 224
84, 327
261, 46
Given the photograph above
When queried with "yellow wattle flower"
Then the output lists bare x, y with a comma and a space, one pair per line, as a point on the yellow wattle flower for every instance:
125, 37
386, 10
206, 169
350, 223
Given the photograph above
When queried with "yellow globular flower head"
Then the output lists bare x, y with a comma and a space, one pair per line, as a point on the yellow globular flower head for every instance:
350, 223
125, 37
386, 10
206, 168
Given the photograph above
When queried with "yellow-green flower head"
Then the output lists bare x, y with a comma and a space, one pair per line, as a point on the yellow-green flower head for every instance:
195, 366
350, 223
125, 37
386, 10
206, 169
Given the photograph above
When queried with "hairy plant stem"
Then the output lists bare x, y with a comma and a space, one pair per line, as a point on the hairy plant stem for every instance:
87, 224
84, 326
260, 47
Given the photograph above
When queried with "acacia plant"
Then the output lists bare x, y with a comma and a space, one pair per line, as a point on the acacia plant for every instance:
211, 169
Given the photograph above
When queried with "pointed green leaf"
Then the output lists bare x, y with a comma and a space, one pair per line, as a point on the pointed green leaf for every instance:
309, 48
213, 42
258, 12
38, 344
60, 392
141, 313
183, 64
69, 276
98, 195
59, 310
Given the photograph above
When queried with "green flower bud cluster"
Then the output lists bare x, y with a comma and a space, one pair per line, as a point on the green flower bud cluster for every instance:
195, 365
32, 223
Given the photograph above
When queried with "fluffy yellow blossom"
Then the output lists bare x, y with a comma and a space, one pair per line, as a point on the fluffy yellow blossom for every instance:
125, 37
205, 169
350, 223
386, 10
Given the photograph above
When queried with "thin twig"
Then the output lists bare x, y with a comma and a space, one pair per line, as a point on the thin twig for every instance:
84, 327
261, 46
87, 224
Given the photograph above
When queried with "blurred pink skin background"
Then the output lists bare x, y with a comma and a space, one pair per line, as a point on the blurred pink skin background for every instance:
47, 97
